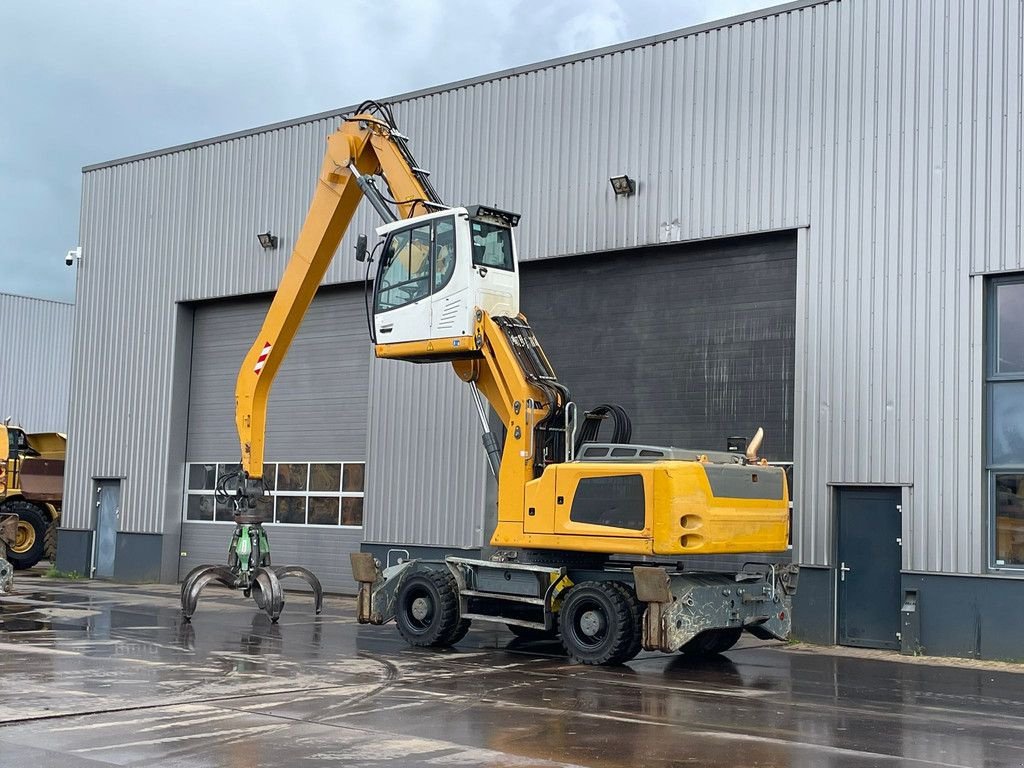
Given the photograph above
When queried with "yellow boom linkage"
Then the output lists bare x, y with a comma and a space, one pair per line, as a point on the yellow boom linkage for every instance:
363, 146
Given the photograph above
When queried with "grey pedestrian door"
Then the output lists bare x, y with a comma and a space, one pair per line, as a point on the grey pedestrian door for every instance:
868, 549
108, 513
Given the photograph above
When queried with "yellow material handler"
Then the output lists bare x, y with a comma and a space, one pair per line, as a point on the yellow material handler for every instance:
589, 533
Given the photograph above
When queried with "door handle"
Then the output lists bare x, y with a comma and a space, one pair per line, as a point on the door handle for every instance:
387, 328
483, 271
843, 570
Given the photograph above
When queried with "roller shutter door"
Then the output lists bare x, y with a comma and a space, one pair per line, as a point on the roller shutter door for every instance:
316, 416
697, 342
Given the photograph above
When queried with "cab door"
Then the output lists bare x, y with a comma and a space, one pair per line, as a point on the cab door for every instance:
401, 310
495, 268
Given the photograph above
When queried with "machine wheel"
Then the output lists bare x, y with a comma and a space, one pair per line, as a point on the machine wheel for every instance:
30, 538
713, 641
50, 541
427, 610
458, 633
637, 622
596, 624
531, 634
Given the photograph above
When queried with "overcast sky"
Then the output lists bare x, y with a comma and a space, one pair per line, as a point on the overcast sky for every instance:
84, 82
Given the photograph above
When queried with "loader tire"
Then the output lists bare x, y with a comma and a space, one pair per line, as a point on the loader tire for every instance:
597, 624
636, 609
50, 542
427, 610
29, 543
711, 642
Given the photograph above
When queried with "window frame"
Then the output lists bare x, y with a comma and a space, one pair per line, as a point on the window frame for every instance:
276, 493
511, 258
992, 378
432, 286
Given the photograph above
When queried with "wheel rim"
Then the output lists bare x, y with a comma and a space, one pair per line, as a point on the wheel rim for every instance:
589, 624
24, 538
419, 610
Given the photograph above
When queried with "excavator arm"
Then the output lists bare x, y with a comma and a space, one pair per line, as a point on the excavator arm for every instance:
365, 145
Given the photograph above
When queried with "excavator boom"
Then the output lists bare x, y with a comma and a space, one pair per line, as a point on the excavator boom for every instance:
363, 146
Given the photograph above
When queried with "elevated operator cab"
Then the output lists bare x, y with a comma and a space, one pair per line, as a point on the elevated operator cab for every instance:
434, 272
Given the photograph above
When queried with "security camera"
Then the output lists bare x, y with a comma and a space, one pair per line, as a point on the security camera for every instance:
75, 254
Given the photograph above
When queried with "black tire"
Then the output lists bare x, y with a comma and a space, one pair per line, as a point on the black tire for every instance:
458, 633
50, 542
711, 642
33, 516
427, 610
636, 608
532, 634
596, 624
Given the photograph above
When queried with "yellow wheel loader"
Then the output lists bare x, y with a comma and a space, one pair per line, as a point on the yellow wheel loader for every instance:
32, 488
580, 521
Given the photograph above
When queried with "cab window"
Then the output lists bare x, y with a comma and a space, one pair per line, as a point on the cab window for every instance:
492, 245
405, 269
444, 252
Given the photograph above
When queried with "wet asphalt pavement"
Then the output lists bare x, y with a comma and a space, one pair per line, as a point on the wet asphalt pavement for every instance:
98, 674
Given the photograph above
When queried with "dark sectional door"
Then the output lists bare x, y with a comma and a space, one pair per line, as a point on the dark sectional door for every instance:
696, 341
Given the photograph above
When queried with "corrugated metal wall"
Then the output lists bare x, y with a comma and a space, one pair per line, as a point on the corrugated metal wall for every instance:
892, 130
36, 362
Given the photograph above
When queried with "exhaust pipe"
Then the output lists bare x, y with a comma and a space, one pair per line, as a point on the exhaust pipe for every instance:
754, 445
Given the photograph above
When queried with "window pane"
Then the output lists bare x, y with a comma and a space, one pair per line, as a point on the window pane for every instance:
1009, 522
291, 509
229, 470
323, 510
1009, 341
324, 477
202, 477
199, 507
291, 477
406, 274
270, 476
351, 511
492, 245
353, 479
225, 511
1007, 423
265, 508
444, 252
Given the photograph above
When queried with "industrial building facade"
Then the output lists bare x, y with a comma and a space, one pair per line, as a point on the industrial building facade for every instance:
36, 362
825, 239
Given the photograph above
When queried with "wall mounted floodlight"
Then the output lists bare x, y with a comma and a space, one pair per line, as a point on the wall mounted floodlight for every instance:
623, 185
268, 240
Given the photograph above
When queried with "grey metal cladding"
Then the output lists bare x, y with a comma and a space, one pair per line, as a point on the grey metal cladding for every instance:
889, 132
317, 407
34, 387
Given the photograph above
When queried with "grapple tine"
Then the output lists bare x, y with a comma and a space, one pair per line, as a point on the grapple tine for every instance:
198, 582
284, 571
271, 597
248, 570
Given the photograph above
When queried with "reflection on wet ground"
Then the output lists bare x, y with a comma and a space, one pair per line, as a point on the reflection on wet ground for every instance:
100, 674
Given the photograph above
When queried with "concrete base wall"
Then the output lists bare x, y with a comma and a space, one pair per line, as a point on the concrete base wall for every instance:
969, 616
74, 551
389, 554
137, 557
814, 606
965, 616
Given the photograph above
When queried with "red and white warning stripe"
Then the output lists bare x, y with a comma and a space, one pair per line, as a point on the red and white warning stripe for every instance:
262, 358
